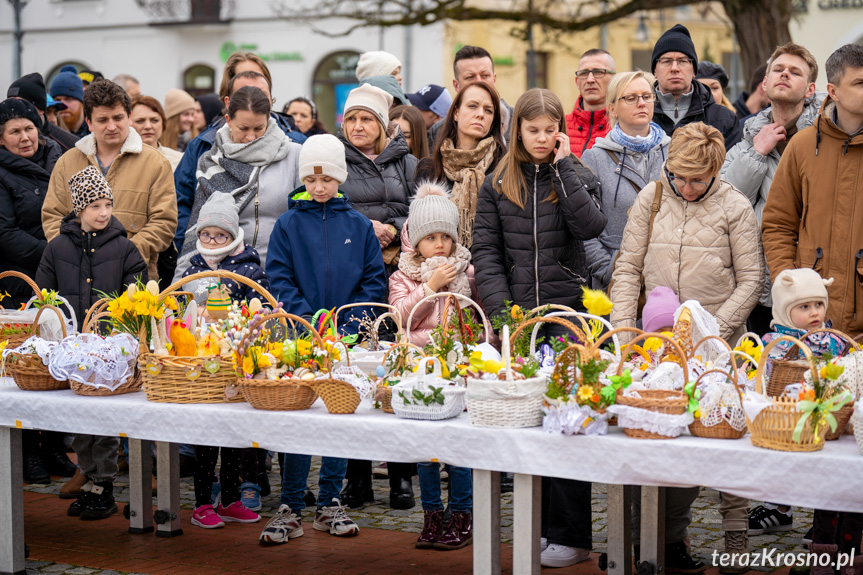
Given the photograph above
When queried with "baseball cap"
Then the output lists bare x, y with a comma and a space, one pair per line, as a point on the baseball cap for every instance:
52, 103
432, 97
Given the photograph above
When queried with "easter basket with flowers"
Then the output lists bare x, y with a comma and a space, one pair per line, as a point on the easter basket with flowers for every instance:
398, 362
27, 363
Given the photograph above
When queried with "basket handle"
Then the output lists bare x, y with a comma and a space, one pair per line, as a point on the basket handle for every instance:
552, 306
765, 354
392, 312
563, 361
753, 336
26, 279
458, 297
93, 321
326, 364
733, 381
734, 352
97, 308
550, 318
404, 344
710, 338
59, 315
220, 274
678, 350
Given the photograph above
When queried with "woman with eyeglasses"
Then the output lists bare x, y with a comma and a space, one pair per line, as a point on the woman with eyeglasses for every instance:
705, 242
624, 161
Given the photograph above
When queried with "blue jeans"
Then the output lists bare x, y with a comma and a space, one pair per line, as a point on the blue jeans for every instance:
461, 487
295, 477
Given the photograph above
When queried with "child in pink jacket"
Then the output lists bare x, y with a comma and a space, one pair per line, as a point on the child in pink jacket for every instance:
436, 264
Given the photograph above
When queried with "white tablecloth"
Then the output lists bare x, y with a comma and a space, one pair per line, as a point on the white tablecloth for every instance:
830, 479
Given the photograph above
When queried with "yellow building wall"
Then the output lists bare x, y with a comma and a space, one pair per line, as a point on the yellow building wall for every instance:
510, 53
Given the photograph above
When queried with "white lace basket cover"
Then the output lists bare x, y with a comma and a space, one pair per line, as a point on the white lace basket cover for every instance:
629, 417
454, 395
33, 345
90, 359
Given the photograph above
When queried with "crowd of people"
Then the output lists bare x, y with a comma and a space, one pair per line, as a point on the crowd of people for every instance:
654, 185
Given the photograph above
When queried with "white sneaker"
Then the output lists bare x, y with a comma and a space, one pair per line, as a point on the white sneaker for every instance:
543, 543
562, 556
334, 520
284, 525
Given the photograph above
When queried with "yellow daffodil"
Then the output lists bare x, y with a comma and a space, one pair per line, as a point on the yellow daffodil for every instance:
275, 349
749, 347
652, 344
304, 347
596, 302
248, 364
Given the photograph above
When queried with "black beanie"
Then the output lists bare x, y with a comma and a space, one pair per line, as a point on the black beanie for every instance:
675, 39
32, 88
710, 71
13, 108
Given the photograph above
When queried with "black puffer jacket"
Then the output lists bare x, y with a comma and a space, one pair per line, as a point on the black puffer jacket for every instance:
535, 256
381, 189
23, 183
703, 108
80, 265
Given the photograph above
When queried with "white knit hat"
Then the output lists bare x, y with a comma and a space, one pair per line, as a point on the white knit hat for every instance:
177, 102
376, 64
432, 212
323, 154
370, 99
220, 211
793, 287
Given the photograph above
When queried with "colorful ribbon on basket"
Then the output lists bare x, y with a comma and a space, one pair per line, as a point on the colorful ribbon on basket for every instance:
824, 409
693, 394
609, 392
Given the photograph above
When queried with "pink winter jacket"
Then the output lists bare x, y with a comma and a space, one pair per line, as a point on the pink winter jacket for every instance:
405, 293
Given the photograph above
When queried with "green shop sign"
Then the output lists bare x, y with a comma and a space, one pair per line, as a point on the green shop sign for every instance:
229, 48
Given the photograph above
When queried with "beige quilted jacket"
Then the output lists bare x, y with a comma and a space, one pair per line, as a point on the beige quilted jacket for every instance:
709, 251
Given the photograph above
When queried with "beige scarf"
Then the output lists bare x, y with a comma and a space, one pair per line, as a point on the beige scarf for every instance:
466, 169
421, 269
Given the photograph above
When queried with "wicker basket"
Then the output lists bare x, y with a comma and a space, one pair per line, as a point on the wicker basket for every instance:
194, 379
656, 400
510, 403
386, 401
723, 429
857, 424
452, 303
453, 404
296, 394
791, 368
131, 385
843, 416
29, 329
774, 426
27, 369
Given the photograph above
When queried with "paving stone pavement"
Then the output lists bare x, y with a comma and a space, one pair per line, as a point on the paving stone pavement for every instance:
705, 532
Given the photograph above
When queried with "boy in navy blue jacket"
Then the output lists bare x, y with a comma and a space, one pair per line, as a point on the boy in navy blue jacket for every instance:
323, 254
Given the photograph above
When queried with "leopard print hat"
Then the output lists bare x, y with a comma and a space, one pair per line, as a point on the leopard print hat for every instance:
87, 186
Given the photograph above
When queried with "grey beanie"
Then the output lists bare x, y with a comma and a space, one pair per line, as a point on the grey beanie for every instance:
220, 211
432, 212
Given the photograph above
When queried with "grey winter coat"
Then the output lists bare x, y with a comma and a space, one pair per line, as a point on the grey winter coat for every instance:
751, 173
619, 185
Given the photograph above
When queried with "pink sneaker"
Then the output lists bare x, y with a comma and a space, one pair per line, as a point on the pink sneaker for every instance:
205, 517
236, 513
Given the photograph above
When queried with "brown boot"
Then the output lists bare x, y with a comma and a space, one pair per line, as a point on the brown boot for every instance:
432, 529
72, 488
736, 545
458, 534
819, 549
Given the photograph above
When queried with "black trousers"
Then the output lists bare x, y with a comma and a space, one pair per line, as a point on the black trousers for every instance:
566, 512
229, 474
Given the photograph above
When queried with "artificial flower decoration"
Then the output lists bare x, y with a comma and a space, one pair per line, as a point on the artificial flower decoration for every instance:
596, 302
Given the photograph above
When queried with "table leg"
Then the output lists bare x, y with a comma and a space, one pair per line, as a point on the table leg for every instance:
11, 503
653, 526
526, 511
168, 515
140, 486
486, 522
619, 529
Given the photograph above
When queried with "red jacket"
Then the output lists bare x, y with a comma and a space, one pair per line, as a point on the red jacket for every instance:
585, 127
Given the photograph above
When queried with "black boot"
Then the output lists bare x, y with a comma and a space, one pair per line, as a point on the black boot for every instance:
100, 504
678, 560
401, 489
358, 491
83, 499
35, 470
58, 463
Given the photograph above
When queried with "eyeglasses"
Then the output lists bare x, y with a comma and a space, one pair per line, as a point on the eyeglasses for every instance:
632, 99
694, 184
220, 239
669, 62
597, 73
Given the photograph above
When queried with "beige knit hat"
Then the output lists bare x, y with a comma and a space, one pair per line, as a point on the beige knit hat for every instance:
793, 287
376, 64
432, 212
177, 102
370, 99
323, 154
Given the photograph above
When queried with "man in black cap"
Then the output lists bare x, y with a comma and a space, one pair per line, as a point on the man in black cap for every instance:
433, 102
32, 88
679, 99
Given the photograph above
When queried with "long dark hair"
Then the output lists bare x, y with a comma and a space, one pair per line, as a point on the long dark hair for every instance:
249, 99
419, 136
449, 130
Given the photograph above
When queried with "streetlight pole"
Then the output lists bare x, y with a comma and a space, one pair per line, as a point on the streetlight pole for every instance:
17, 6
531, 51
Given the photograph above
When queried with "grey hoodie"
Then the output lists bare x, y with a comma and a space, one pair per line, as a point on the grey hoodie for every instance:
617, 194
